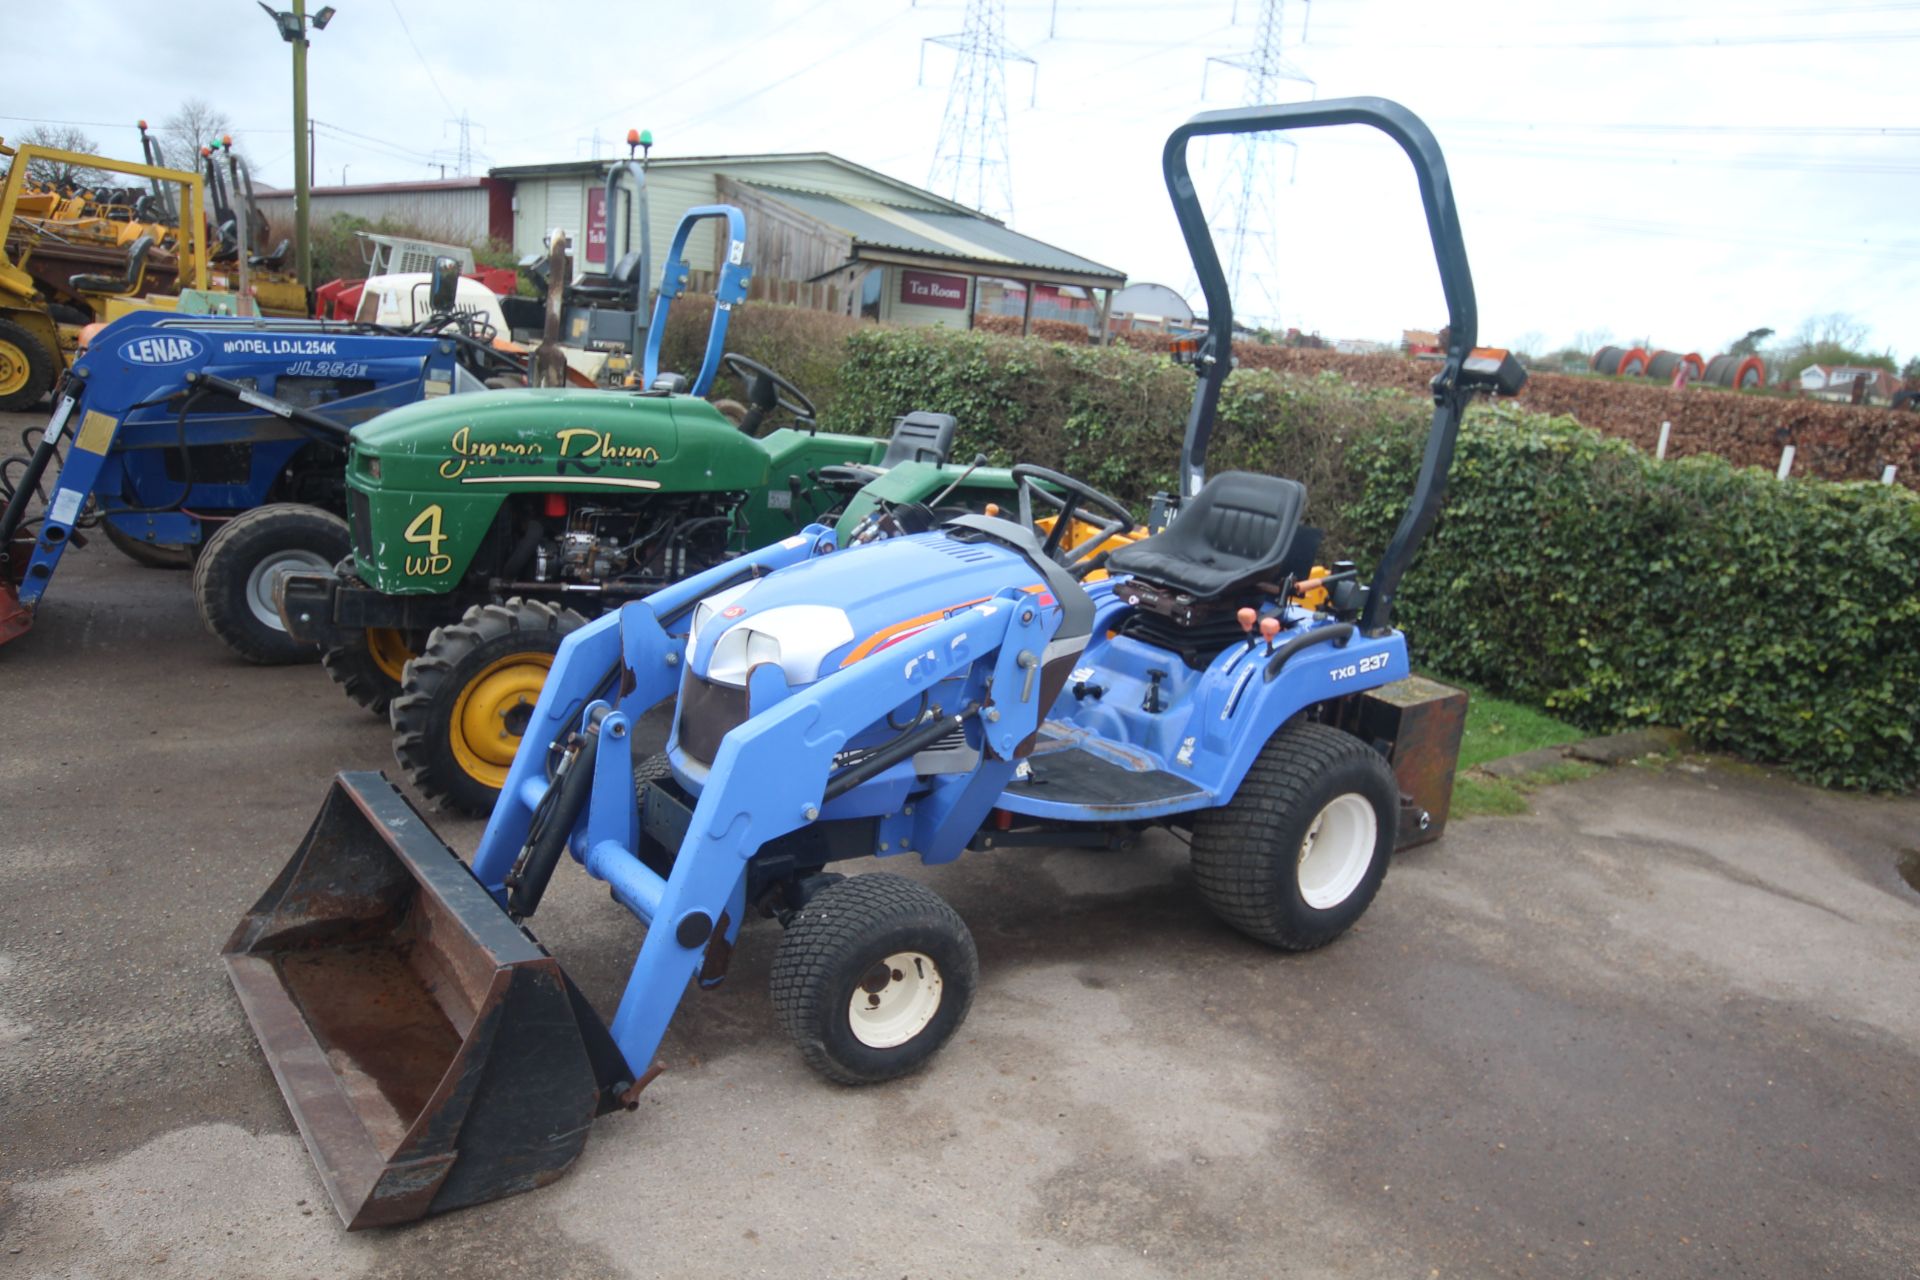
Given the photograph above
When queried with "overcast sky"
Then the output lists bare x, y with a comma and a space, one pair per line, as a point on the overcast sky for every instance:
1622, 168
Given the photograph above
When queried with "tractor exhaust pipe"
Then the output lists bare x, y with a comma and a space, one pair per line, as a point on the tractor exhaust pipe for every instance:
432, 1053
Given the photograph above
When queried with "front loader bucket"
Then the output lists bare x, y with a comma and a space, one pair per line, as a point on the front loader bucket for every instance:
432, 1053
15, 618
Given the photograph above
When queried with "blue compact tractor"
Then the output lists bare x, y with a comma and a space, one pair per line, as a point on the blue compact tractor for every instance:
924, 688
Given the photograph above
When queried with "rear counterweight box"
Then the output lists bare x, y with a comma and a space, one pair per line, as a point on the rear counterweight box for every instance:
1418, 723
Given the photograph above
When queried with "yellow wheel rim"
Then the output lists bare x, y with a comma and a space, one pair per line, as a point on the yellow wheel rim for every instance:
390, 651
14, 370
482, 732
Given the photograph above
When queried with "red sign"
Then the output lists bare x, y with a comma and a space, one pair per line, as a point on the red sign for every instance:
926, 289
597, 225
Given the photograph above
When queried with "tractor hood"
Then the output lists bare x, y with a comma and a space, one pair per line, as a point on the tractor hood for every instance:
556, 440
814, 618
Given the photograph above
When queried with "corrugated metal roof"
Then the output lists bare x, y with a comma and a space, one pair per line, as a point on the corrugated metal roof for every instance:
946, 235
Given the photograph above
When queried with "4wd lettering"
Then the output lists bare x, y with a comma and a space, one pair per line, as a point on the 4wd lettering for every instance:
468, 451
425, 529
1353, 669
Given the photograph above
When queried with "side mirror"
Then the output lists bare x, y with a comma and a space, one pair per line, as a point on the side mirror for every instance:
445, 287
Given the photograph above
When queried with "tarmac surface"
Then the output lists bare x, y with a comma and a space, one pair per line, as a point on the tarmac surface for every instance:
1665, 1026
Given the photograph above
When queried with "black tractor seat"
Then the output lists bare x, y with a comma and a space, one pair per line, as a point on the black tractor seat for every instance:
118, 285
621, 285
271, 261
1239, 530
917, 437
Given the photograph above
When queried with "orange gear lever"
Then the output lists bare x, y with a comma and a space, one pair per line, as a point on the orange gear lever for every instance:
1269, 628
1246, 616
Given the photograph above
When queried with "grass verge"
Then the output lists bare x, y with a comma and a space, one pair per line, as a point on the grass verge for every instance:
1496, 729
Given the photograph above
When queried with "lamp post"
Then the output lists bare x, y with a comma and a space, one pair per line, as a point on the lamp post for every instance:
293, 29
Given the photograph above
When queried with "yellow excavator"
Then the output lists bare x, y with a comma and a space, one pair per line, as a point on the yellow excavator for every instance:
69, 259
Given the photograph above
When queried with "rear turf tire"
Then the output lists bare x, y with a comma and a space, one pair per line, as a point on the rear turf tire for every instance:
234, 577
456, 717
874, 974
1296, 856
151, 555
371, 666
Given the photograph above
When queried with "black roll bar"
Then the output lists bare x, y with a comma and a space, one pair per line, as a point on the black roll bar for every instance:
1450, 394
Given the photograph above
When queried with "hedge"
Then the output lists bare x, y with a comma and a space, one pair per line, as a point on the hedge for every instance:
1776, 621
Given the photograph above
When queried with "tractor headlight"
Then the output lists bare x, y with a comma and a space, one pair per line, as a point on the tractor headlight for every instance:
740, 651
797, 636
710, 608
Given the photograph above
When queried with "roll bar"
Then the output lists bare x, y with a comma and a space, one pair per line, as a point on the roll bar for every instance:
616, 217
1452, 386
731, 288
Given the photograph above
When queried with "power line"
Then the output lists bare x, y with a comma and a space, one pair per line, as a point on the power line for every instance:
424, 65
971, 163
1245, 199
734, 104
1677, 42
732, 58
1761, 130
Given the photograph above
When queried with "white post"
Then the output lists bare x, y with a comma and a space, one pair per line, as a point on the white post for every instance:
1786, 463
1660, 449
1886, 477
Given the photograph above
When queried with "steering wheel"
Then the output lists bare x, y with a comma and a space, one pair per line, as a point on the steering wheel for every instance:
785, 394
1079, 561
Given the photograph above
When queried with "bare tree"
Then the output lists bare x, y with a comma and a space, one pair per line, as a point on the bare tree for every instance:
1531, 344
60, 172
196, 124
1834, 329
1591, 340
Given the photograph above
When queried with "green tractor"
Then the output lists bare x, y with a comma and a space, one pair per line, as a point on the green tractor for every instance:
485, 528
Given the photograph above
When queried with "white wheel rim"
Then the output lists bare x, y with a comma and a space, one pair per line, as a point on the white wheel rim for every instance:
895, 1000
1337, 850
266, 576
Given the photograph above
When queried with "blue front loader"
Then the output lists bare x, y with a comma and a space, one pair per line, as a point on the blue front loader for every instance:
172, 424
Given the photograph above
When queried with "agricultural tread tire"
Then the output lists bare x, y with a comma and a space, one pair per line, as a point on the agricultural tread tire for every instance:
149, 555
351, 666
1245, 853
220, 575
41, 367
836, 937
422, 712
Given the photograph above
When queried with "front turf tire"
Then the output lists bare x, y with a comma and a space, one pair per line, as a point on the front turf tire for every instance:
1296, 856
874, 974
456, 717
233, 580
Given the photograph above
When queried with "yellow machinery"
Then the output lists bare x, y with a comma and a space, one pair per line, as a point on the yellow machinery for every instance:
67, 261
